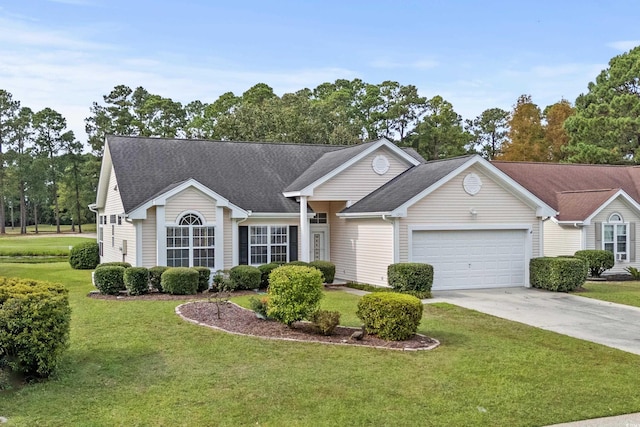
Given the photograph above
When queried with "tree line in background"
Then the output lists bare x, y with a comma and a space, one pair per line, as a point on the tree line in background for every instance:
47, 177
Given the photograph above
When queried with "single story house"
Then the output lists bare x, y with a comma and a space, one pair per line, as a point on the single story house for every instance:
219, 204
598, 207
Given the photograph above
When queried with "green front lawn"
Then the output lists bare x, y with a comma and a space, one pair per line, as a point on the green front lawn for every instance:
50, 245
137, 363
619, 292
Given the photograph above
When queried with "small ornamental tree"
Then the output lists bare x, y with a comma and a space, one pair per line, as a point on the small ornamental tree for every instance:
294, 293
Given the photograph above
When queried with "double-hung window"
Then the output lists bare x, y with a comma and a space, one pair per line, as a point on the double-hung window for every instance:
268, 244
615, 237
190, 243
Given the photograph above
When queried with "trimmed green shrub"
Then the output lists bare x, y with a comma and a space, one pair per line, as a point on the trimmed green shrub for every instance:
598, 260
155, 273
411, 278
222, 282
110, 279
560, 274
180, 281
298, 263
328, 270
265, 270
34, 325
84, 256
136, 280
390, 315
294, 293
114, 264
245, 277
326, 321
203, 278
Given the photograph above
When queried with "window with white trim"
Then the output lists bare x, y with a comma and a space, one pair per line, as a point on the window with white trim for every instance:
190, 243
101, 239
320, 218
615, 237
268, 244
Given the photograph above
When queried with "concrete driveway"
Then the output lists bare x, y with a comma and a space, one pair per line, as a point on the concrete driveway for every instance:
606, 323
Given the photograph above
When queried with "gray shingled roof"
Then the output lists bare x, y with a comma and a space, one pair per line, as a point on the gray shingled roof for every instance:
406, 185
250, 175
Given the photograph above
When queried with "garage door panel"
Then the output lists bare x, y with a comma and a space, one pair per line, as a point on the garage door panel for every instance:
472, 258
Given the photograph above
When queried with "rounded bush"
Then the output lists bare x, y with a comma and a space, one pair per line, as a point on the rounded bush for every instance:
561, 274
136, 280
203, 278
390, 315
84, 256
245, 277
328, 270
298, 263
155, 273
599, 260
265, 270
110, 279
294, 293
411, 278
180, 281
35, 319
326, 321
114, 264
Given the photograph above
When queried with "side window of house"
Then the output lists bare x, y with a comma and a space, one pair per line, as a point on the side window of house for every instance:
615, 236
113, 236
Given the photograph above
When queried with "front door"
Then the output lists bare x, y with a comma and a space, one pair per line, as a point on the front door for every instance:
318, 245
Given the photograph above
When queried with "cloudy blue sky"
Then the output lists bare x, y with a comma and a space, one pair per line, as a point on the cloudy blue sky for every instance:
66, 54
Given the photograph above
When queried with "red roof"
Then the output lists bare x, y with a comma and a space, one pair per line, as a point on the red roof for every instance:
575, 191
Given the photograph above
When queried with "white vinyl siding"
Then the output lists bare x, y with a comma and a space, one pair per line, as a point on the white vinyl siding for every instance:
191, 200
560, 239
629, 215
149, 244
450, 205
359, 179
361, 249
124, 231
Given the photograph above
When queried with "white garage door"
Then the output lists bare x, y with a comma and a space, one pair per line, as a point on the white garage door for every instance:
472, 258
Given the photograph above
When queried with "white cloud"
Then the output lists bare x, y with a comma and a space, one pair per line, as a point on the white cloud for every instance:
624, 45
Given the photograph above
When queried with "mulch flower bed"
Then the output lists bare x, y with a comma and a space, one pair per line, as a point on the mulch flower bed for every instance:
240, 321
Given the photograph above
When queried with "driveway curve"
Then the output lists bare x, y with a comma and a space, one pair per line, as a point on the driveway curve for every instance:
610, 324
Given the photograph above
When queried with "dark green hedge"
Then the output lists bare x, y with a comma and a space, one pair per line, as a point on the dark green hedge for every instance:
203, 278
180, 281
114, 264
328, 270
560, 274
245, 277
598, 260
109, 279
411, 278
391, 316
155, 274
34, 325
265, 270
84, 256
136, 280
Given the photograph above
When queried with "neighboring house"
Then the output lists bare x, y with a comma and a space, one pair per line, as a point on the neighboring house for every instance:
598, 207
219, 204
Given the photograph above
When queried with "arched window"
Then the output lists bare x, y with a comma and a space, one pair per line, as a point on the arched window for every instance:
615, 236
190, 244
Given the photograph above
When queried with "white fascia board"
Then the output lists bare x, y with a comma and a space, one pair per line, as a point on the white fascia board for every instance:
279, 215
542, 209
382, 142
161, 200
103, 180
619, 193
364, 215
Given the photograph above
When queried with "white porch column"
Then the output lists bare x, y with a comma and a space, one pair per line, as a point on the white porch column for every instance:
304, 230
161, 236
219, 239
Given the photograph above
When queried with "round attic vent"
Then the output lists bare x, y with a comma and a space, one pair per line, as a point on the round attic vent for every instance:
472, 184
380, 164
